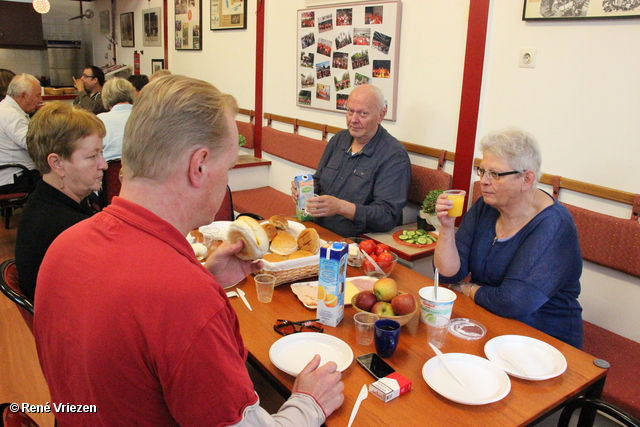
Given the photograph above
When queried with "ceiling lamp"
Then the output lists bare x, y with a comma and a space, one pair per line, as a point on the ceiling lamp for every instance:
41, 6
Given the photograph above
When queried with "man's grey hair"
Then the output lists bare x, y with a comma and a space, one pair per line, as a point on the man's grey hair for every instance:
170, 117
20, 84
117, 90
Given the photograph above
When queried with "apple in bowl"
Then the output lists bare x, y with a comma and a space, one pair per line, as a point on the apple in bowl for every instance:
395, 305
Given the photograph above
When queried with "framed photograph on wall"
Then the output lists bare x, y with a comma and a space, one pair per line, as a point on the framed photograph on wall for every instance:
156, 65
228, 14
151, 27
127, 35
188, 24
580, 9
343, 46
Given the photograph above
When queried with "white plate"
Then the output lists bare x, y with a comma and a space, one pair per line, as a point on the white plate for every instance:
541, 360
353, 286
294, 228
291, 353
485, 382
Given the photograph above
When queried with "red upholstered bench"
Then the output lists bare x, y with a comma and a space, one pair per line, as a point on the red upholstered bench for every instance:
622, 387
264, 201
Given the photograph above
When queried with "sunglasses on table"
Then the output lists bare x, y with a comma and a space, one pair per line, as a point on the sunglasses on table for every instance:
287, 327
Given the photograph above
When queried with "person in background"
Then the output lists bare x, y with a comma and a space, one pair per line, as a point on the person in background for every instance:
158, 74
23, 98
66, 146
5, 79
364, 173
138, 81
89, 86
518, 244
117, 96
155, 339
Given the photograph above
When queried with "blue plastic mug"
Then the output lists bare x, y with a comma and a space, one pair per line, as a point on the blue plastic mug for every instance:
386, 337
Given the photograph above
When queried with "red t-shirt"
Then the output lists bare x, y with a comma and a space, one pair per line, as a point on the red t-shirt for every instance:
128, 320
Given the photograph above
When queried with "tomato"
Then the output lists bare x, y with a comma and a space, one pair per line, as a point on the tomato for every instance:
366, 264
369, 246
385, 262
381, 247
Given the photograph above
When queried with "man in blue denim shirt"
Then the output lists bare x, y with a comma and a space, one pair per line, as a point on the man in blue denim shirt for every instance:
364, 173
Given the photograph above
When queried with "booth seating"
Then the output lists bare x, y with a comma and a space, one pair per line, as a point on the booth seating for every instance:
619, 251
305, 151
246, 128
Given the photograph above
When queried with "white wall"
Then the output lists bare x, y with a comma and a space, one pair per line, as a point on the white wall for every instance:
581, 100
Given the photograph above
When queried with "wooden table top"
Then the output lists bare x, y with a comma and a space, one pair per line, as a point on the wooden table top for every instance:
526, 402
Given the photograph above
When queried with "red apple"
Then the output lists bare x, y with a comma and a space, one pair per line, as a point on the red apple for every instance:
365, 300
382, 308
403, 304
385, 289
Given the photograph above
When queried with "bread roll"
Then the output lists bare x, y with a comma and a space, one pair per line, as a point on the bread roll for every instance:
309, 240
279, 222
273, 258
256, 242
271, 230
300, 254
283, 244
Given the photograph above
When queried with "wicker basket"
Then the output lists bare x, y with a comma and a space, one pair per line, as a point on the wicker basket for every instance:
290, 271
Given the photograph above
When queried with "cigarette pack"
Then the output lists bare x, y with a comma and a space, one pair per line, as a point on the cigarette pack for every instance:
332, 275
304, 184
390, 387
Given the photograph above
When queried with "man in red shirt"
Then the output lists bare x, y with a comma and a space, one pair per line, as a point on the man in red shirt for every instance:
127, 318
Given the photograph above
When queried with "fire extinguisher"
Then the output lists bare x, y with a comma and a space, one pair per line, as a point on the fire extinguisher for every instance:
136, 62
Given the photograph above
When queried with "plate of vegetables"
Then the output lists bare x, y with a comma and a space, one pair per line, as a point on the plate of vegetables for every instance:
415, 238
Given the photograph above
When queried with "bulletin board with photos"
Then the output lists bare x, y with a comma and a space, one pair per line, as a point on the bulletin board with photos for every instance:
343, 46
188, 24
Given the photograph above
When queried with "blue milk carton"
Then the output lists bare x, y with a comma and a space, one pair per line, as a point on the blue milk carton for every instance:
332, 274
304, 184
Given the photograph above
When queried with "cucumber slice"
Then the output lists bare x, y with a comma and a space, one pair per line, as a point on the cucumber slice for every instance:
404, 237
422, 240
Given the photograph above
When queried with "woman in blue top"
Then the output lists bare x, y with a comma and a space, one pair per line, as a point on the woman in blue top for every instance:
518, 244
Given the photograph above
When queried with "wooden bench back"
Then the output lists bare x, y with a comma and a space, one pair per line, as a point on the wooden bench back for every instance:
292, 147
246, 129
425, 179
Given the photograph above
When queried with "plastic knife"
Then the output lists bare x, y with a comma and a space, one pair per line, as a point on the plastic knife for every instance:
244, 300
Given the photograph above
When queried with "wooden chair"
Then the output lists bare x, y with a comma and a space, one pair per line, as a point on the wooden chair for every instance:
14, 419
9, 285
11, 201
111, 182
585, 403
225, 213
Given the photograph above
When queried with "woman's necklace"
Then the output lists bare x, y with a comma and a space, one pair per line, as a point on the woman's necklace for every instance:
505, 230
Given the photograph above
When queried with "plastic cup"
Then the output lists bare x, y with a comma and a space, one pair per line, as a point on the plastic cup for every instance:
386, 336
264, 286
307, 197
365, 325
211, 239
437, 328
430, 307
458, 201
355, 257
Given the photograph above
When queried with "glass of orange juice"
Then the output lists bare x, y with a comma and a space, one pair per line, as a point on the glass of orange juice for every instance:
457, 196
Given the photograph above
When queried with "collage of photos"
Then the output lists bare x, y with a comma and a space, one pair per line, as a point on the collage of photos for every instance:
343, 47
188, 24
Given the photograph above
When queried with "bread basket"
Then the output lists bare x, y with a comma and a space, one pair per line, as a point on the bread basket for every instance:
285, 271
292, 270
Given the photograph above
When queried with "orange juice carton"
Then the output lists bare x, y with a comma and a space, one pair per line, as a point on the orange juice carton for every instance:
304, 184
390, 387
332, 275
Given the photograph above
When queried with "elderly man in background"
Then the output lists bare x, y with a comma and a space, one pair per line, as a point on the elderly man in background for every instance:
155, 341
117, 96
90, 87
23, 98
364, 173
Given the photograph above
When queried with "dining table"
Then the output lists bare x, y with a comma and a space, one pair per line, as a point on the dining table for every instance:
526, 403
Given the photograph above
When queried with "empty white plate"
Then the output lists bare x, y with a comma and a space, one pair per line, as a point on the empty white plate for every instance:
293, 352
484, 381
540, 360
